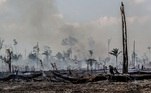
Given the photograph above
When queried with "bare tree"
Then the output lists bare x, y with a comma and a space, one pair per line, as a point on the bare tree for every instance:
149, 48
15, 45
1, 43
36, 50
47, 52
90, 61
8, 58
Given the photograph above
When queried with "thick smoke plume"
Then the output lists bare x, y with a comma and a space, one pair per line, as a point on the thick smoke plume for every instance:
32, 21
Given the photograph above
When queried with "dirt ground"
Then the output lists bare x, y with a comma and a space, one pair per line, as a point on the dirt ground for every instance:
95, 87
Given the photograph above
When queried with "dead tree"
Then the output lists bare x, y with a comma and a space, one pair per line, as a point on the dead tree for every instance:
91, 61
124, 35
54, 66
8, 58
1, 43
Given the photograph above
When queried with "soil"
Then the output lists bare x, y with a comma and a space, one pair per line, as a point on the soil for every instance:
95, 87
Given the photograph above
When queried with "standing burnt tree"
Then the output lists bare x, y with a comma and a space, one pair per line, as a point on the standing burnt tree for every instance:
8, 58
90, 61
1, 43
124, 35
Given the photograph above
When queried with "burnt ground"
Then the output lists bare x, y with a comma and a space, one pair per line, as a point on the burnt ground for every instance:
95, 87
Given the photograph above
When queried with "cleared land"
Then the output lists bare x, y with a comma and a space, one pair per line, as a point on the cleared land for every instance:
95, 87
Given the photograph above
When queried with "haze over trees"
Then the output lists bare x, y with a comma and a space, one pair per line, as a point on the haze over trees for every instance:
115, 52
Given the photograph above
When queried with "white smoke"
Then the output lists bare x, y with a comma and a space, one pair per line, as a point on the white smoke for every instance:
32, 21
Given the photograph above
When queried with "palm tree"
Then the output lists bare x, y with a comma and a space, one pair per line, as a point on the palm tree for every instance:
115, 52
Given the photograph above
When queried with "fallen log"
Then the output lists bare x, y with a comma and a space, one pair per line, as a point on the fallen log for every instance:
130, 77
72, 79
140, 77
22, 77
100, 77
77, 80
120, 78
110, 77
139, 72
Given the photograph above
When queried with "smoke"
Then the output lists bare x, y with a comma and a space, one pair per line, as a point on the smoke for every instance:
26, 22
32, 21
91, 43
70, 41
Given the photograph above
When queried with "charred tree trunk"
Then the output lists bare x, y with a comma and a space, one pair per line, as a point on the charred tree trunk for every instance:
8, 58
87, 66
124, 34
9, 65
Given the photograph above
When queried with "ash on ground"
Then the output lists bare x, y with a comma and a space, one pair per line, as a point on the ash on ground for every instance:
95, 87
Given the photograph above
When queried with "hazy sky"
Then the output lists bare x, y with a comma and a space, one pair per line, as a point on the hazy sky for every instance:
91, 22
87, 10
